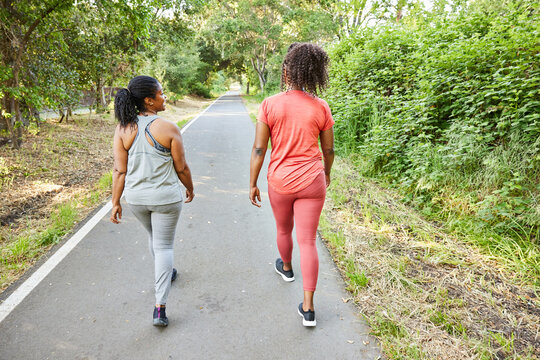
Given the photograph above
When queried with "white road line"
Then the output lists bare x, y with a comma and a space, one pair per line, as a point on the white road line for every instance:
26, 287
185, 127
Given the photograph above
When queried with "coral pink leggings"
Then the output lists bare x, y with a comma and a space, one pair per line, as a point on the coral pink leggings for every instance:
304, 208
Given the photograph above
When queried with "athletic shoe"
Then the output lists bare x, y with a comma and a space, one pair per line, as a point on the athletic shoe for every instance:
160, 318
174, 274
287, 275
308, 317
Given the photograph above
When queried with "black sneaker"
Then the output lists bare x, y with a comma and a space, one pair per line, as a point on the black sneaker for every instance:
160, 318
174, 274
287, 275
308, 317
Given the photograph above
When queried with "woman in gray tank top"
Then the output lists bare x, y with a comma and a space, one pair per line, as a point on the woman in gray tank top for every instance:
149, 164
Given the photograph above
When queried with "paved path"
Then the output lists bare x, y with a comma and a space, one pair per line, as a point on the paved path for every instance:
228, 302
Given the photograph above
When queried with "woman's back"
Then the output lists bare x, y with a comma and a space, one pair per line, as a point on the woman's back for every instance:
151, 178
295, 120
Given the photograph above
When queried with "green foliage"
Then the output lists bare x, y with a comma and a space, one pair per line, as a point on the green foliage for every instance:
182, 72
105, 182
384, 326
220, 83
451, 325
52, 51
253, 35
448, 106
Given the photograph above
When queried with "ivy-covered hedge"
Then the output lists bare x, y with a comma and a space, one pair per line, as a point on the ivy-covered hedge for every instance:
448, 107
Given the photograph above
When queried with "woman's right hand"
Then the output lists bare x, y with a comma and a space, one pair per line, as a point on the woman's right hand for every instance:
254, 195
116, 214
189, 196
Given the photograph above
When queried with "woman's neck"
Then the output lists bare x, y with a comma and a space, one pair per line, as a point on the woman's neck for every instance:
295, 88
148, 113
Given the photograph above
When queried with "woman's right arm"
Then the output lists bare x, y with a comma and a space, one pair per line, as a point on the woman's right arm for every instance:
262, 134
119, 175
327, 146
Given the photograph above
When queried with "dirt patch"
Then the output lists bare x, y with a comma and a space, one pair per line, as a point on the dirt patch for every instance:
26, 207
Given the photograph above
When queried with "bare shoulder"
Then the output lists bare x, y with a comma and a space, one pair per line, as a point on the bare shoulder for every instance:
126, 130
166, 126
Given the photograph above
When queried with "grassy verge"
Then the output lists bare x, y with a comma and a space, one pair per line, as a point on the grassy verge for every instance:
426, 292
21, 250
61, 172
183, 122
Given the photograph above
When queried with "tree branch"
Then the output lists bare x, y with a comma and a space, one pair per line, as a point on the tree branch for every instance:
37, 21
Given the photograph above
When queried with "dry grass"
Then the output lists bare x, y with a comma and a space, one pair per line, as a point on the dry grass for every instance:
425, 294
65, 164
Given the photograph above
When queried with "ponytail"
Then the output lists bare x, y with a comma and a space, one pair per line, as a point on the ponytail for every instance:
125, 109
129, 102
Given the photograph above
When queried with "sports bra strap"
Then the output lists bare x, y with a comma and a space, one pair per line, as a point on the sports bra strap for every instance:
157, 145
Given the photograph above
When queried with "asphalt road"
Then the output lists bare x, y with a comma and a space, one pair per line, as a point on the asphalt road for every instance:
228, 303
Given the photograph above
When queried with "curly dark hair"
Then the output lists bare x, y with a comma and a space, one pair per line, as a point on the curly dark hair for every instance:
305, 67
129, 102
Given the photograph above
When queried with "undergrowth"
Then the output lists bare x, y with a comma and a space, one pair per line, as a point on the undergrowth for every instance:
425, 292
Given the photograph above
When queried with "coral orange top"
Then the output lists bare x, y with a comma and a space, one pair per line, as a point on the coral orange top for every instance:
295, 119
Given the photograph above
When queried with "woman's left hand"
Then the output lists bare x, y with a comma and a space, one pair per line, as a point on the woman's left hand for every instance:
254, 195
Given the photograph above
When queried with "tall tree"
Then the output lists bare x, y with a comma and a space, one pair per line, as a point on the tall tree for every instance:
51, 49
249, 31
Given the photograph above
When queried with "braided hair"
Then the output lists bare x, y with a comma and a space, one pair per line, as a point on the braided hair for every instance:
305, 67
129, 102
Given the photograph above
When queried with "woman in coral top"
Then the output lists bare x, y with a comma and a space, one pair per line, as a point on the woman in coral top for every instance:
294, 121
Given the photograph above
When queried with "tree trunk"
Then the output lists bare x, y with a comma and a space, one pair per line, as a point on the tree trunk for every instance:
62, 115
99, 89
17, 136
16, 121
247, 88
259, 68
103, 101
262, 81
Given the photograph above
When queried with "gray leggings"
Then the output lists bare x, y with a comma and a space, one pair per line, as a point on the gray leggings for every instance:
160, 223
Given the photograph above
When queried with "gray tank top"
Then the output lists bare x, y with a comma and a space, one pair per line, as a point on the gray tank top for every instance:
151, 178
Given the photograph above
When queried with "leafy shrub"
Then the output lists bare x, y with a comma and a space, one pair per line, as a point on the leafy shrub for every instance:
448, 108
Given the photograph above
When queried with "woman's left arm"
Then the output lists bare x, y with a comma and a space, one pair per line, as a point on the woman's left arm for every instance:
327, 146
262, 134
119, 175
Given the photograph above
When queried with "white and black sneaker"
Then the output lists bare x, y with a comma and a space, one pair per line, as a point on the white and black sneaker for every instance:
308, 317
287, 275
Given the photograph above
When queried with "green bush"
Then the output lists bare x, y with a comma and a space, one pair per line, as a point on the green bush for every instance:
448, 108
